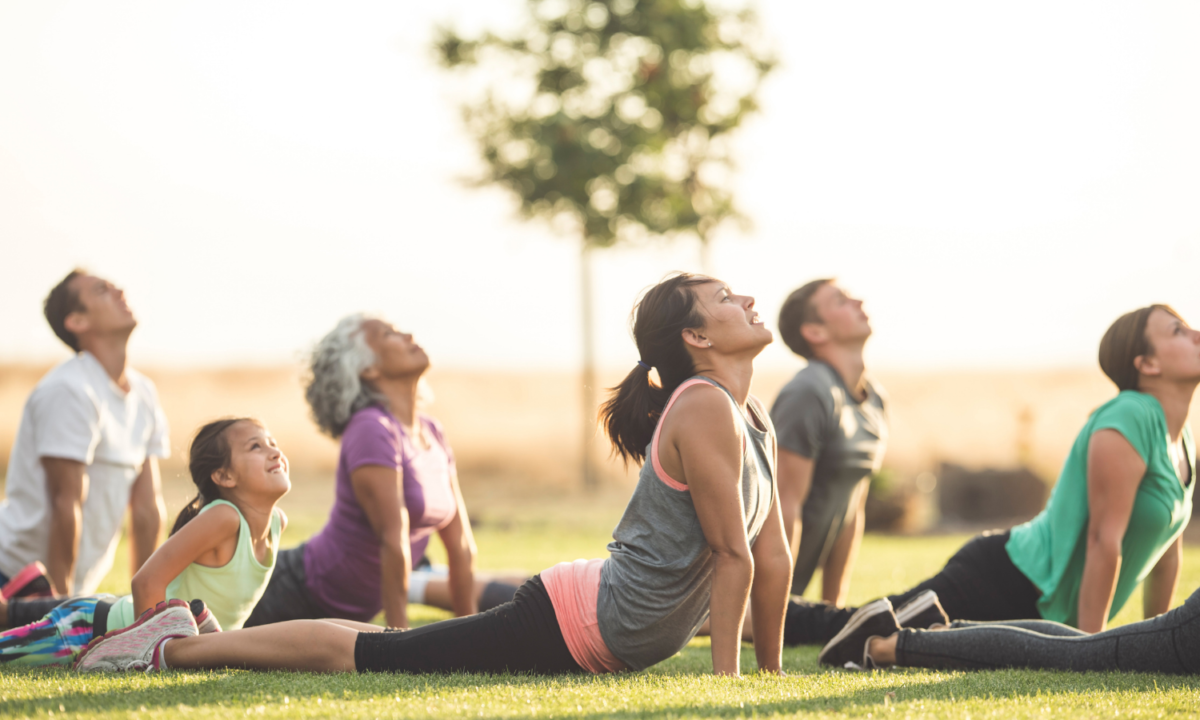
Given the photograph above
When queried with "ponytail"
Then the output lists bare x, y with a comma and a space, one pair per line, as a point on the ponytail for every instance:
209, 454
634, 407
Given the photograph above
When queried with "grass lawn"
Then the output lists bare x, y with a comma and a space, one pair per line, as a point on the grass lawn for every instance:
679, 687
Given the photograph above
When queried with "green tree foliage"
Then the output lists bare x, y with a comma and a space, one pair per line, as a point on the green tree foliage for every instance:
613, 115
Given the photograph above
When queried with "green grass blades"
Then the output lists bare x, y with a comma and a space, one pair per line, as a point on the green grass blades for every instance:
677, 688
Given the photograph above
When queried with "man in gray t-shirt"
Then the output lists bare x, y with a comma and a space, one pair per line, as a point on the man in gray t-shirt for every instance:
831, 425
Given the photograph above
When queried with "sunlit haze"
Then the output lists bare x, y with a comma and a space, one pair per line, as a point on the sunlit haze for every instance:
998, 181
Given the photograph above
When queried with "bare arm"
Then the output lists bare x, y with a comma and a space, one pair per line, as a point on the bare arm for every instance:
66, 485
795, 478
147, 514
460, 556
702, 440
1114, 472
835, 576
1158, 592
769, 591
380, 494
209, 538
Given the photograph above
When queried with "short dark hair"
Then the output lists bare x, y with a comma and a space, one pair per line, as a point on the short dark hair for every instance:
61, 302
797, 310
1124, 341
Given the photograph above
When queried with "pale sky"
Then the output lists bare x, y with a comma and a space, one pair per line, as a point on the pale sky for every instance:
998, 181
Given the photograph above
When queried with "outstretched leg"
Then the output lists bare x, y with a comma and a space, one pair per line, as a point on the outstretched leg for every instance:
311, 645
1169, 643
979, 582
520, 636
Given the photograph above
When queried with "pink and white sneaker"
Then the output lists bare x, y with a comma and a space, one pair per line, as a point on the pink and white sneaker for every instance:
139, 646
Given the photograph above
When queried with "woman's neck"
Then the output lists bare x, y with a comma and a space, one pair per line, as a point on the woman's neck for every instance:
1176, 400
734, 373
401, 394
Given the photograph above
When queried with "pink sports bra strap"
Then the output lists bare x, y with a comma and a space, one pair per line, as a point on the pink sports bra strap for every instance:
658, 468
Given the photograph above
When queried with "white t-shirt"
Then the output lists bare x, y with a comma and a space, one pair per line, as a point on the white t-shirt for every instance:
78, 413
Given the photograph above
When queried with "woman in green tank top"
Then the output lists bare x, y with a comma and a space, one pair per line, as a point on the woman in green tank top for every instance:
1125, 492
1114, 518
221, 550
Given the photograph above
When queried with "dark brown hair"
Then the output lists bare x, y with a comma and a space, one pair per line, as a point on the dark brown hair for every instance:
797, 310
658, 321
210, 452
61, 302
1125, 341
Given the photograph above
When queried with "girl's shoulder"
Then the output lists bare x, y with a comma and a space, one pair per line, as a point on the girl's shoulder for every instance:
220, 513
216, 522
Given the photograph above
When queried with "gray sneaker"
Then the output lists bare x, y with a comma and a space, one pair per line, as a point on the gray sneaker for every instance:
137, 646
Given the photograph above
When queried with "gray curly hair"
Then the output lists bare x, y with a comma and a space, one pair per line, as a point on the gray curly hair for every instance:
334, 387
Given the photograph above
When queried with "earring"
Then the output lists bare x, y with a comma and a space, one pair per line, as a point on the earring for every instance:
710, 343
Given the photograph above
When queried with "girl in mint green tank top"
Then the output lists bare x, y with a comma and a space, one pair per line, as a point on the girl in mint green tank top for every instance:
221, 550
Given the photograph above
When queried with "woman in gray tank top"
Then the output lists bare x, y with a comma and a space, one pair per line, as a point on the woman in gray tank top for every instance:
702, 536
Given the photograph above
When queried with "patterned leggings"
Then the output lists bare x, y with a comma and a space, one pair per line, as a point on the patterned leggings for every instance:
57, 638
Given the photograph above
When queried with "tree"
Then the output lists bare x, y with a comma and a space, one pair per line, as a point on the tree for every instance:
611, 118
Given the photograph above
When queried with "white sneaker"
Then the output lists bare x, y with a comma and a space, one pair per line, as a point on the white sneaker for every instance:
137, 646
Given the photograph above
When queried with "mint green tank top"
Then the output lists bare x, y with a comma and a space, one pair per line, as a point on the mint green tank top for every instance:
1051, 548
230, 591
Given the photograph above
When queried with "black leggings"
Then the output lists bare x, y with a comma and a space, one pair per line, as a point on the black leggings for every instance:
23, 611
287, 596
519, 636
1169, 643
979, 582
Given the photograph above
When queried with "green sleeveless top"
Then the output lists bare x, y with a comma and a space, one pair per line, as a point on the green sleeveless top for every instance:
1051, 548
230, 591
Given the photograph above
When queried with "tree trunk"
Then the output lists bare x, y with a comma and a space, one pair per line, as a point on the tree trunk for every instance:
706, 257
589, 369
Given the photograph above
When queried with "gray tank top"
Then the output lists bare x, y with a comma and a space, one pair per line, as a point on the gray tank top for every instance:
656, 584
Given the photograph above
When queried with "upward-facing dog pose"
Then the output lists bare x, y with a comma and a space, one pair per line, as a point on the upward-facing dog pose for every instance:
85, 452
220, 553
1114, 518
832, 425
396, 487
702, 535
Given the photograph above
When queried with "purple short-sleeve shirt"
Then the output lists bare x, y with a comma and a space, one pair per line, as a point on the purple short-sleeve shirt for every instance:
342, 561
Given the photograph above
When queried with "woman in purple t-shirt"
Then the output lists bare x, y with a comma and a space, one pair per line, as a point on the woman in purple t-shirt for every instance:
396, 486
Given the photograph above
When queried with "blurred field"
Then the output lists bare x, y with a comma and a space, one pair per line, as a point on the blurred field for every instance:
516, 436
523, 429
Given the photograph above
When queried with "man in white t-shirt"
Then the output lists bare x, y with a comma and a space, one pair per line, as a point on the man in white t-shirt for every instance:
85, 450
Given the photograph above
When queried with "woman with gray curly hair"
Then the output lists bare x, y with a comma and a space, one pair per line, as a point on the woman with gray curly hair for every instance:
396, 486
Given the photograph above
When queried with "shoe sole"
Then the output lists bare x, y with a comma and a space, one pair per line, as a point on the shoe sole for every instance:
916, 606
146, 618
861, 616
